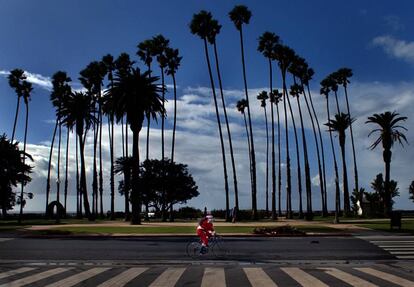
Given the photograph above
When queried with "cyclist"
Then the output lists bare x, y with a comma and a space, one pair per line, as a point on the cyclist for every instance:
205, 229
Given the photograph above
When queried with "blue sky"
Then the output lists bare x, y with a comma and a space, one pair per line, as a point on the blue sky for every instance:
373, 38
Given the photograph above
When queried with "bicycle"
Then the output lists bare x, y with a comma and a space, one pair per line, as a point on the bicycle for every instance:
216, 246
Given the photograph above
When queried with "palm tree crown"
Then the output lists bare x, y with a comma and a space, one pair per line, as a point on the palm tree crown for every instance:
240, 15
262, 97
267, 43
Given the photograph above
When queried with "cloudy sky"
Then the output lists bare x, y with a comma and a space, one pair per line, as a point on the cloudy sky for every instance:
371, 37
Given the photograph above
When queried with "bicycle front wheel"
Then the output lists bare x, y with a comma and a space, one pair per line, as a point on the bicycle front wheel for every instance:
219, 249
193, 249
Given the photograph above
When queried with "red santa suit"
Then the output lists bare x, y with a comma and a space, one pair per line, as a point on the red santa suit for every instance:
204, 230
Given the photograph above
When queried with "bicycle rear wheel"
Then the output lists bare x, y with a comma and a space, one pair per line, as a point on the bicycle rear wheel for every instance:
193, 249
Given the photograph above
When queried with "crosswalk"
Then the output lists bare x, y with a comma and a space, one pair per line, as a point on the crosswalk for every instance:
401, 247
164, 276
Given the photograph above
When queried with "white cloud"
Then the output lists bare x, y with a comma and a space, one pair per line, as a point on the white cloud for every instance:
399, 49
36, 79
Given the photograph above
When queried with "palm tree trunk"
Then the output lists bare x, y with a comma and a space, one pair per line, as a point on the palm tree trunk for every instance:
337, 188
236, 191
127, 178
95, 172
175, 118
279, 176
267, 163
78, 194
83, 187
49, 168
297, 158
253, 161
288, 171
100, 164
66, 169
322, 183
347, 208
387, 160
111, 155
248, 143
353, 148
309, 212
58, 172
274, 216
164, 205
135, 196
337, 102
226, 184
148, 121
15, 118
24, 159
321, 178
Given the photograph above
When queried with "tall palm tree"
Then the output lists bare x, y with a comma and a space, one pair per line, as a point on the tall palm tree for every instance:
78, 191
200, 25
108, 109
23, 88
296, 91
390, 131
136, 94
173, 62
305, 76
15, 78
339, 124
92, 78
61, 89
79, 110
342, 78
262, 97
267, 43
213, 32
123, 65
241, 107
284, 55
276, 98
240, 15
145, 53
325, 92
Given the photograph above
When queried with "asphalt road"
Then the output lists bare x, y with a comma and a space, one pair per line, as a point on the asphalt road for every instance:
173, 249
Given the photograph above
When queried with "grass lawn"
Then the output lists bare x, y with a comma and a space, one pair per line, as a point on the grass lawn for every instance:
168, 230
407, 226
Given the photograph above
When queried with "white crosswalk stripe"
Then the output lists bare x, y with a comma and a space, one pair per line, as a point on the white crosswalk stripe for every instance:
15, 272
348, 278
257, 277
123, 278
401, 247
77, 278
35, 277
213, 277
303, 278
387, 277
168, 278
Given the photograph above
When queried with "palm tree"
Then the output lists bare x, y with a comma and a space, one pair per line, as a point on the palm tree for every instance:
15, 78
267, 43
342, 78
325, 92
241, 107
262, 97
136, 94
305, 76
91, 78
108, 109
284, 55
61, 90
276, 98
240, 15
295, 91
145, 53
200, 25
123, 65
124, 165
23, 88
79, 110
390, 132
213, 32
339, 124
13, 171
